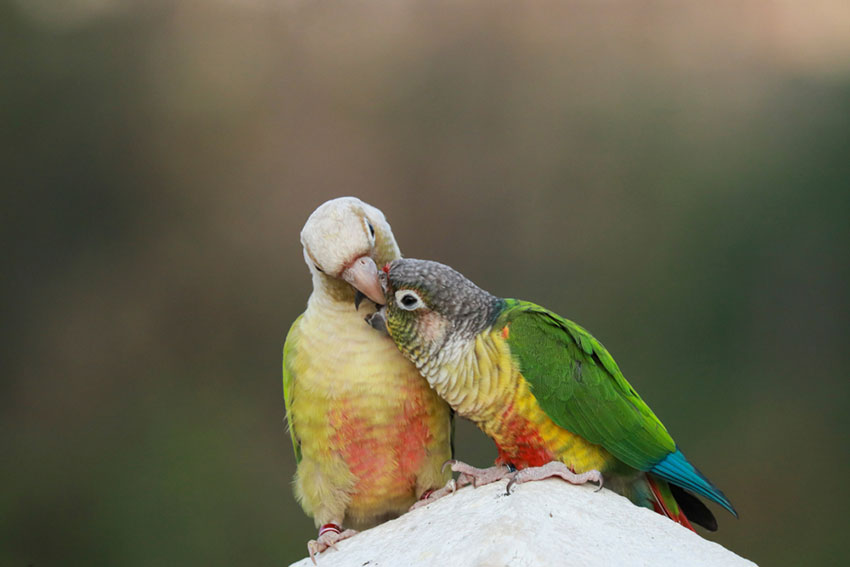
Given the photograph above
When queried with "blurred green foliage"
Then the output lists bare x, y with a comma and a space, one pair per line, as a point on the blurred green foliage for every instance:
675, 179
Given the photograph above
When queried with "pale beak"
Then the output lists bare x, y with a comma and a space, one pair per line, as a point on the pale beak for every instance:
363, 276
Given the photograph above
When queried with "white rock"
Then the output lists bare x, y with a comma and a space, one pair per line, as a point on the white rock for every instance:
546, 523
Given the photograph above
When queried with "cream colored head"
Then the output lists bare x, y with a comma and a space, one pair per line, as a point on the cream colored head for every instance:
345, 242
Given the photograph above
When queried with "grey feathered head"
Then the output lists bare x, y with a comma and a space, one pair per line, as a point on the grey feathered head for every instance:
429, 304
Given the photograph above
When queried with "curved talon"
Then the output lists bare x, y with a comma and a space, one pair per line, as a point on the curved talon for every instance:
447, 490
329, 536
510, 485
311, 549
450, 462
552, 469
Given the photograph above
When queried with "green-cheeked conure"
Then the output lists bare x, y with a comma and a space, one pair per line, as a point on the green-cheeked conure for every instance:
542, 388
369, 433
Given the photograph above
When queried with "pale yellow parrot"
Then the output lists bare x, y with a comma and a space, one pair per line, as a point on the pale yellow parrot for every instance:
370, 435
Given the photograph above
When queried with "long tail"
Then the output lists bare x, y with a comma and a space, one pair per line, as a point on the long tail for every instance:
676, 469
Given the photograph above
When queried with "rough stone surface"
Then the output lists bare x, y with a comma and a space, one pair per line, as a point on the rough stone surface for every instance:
546, 523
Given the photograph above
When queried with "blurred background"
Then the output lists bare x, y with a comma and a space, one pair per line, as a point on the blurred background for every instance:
675, 178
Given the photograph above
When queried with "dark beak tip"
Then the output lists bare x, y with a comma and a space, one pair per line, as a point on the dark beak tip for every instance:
377, 321
358, 299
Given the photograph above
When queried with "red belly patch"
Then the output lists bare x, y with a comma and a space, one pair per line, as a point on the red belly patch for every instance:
384, 459
519, 442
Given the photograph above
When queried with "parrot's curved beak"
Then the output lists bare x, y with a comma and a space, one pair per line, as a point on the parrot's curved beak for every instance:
362, 274
378, 320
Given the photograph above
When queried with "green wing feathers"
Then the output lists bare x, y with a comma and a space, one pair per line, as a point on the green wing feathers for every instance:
288, 379
579, 386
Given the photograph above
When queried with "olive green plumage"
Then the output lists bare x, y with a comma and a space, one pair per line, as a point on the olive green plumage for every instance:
288, 378
578, 384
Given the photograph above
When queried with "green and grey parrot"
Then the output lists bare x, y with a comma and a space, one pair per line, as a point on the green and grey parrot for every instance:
548, 393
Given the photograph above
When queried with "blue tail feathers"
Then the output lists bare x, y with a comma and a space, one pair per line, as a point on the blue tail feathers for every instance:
676, 469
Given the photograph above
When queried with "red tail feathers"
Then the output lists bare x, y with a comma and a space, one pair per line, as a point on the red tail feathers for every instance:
667, 506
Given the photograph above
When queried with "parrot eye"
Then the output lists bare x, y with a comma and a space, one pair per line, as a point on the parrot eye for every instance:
371, 229
408, 300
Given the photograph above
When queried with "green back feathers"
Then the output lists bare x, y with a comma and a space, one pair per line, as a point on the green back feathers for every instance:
580, 387
288, 379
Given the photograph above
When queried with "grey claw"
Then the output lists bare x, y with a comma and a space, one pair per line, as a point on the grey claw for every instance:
510, 485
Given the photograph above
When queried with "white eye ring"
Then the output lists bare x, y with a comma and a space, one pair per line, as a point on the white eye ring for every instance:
369, 229
408, 300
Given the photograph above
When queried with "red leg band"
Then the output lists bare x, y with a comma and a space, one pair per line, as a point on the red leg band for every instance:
329, 528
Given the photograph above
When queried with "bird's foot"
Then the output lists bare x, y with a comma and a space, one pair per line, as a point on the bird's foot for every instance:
555, 468
479, 477
329, 536
433, 495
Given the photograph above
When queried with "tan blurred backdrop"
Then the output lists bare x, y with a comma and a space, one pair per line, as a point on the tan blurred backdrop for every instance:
674, 178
